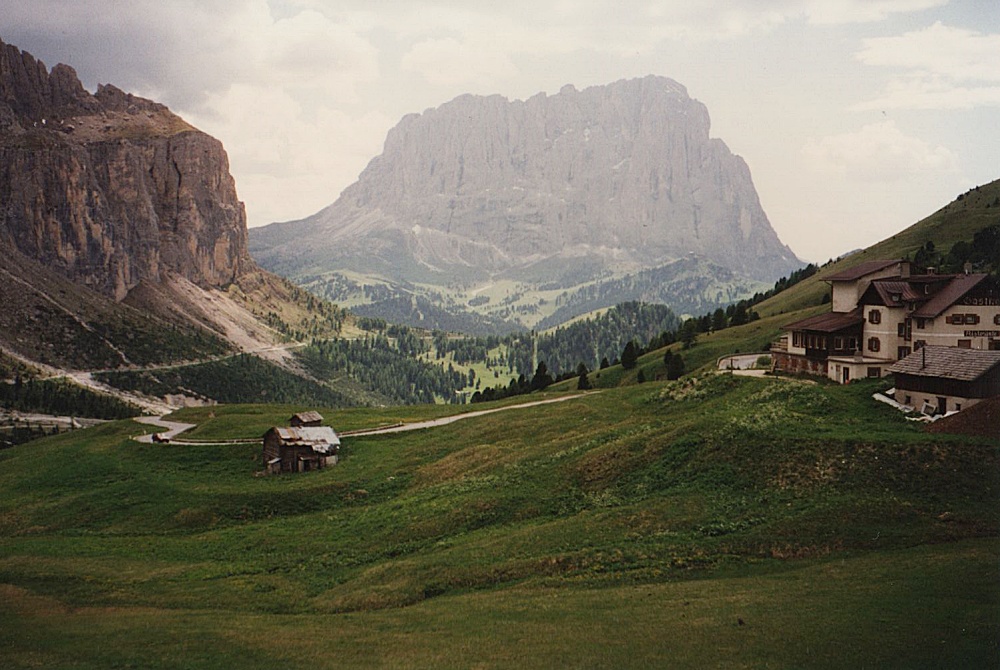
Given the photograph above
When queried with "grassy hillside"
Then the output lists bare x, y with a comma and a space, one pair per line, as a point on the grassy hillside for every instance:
960, 220
720, 521
51, 320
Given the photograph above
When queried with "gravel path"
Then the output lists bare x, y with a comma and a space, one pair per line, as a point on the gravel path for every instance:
457, 417
173, 428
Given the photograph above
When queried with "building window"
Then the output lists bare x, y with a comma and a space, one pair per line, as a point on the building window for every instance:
996, 319
919, 344
838, 343
796, 339
965, 344
971, 319
874, 344
920, 323
954, 319
874, 373
874, 316
901, 329
902, 352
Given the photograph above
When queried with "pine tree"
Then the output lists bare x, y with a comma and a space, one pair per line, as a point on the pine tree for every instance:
675, 367
629, 355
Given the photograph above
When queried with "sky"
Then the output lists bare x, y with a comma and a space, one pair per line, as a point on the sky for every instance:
857, 117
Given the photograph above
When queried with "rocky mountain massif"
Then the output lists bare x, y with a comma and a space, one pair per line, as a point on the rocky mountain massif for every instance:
110, 189
122, 238
552, 193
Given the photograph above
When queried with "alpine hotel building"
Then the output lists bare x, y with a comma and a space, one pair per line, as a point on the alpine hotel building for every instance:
882, 312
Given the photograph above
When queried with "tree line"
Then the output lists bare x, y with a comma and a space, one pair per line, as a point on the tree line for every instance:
62, 398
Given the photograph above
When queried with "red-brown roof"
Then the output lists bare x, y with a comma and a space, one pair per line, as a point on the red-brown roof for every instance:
949, 295
862, 269
830, 322
948, 363
887, 288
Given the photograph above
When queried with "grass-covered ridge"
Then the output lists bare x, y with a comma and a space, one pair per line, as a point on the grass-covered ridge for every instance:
631, 527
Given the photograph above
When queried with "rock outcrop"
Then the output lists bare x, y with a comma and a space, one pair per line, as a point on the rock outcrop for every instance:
622, 177
110, 189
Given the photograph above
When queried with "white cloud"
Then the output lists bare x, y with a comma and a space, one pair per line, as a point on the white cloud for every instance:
878, 152
290, 160
449, 62
956, 53
862, 11
941, 68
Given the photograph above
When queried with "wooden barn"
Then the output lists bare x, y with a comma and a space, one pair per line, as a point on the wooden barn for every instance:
938, 380
300, 448
306, 419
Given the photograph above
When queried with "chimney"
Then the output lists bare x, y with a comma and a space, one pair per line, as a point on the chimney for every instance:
904, 269
932, 271
967, 268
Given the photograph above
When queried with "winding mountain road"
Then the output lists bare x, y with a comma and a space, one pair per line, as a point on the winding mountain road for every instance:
174, 428
443, 421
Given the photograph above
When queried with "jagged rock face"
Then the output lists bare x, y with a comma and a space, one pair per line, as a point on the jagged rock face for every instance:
110, 189
625, 173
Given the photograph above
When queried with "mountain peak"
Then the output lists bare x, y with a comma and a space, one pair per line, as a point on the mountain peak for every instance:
625, 173
124, 190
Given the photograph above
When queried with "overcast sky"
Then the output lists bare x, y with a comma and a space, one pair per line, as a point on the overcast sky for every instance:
857, 117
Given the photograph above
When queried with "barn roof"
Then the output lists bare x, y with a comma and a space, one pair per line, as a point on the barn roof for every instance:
948, 363
308, 417
322, 439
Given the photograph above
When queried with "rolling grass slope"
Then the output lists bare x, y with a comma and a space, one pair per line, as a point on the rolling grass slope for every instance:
960, 220
635, 527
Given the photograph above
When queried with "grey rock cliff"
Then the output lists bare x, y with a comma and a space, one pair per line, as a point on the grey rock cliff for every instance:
110, 189
624, 174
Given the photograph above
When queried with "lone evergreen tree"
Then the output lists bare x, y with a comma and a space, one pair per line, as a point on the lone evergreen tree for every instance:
675, 366
583, 384
630, 356
542, 378
689, 333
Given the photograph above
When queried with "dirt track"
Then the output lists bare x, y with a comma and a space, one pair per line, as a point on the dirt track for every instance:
174, 428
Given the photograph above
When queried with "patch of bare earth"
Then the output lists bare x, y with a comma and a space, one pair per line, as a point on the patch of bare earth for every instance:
980, 420
233, 321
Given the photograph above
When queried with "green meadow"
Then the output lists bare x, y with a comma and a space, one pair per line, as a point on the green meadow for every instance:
717, 521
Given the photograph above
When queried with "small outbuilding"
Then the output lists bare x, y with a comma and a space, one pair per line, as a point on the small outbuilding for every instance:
308, 419
300, 448
938, 380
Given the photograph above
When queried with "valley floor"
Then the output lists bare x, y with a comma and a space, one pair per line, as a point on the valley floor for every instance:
926, 607
720, 521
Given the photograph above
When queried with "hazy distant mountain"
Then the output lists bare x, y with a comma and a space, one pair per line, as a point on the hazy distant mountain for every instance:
612, 178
